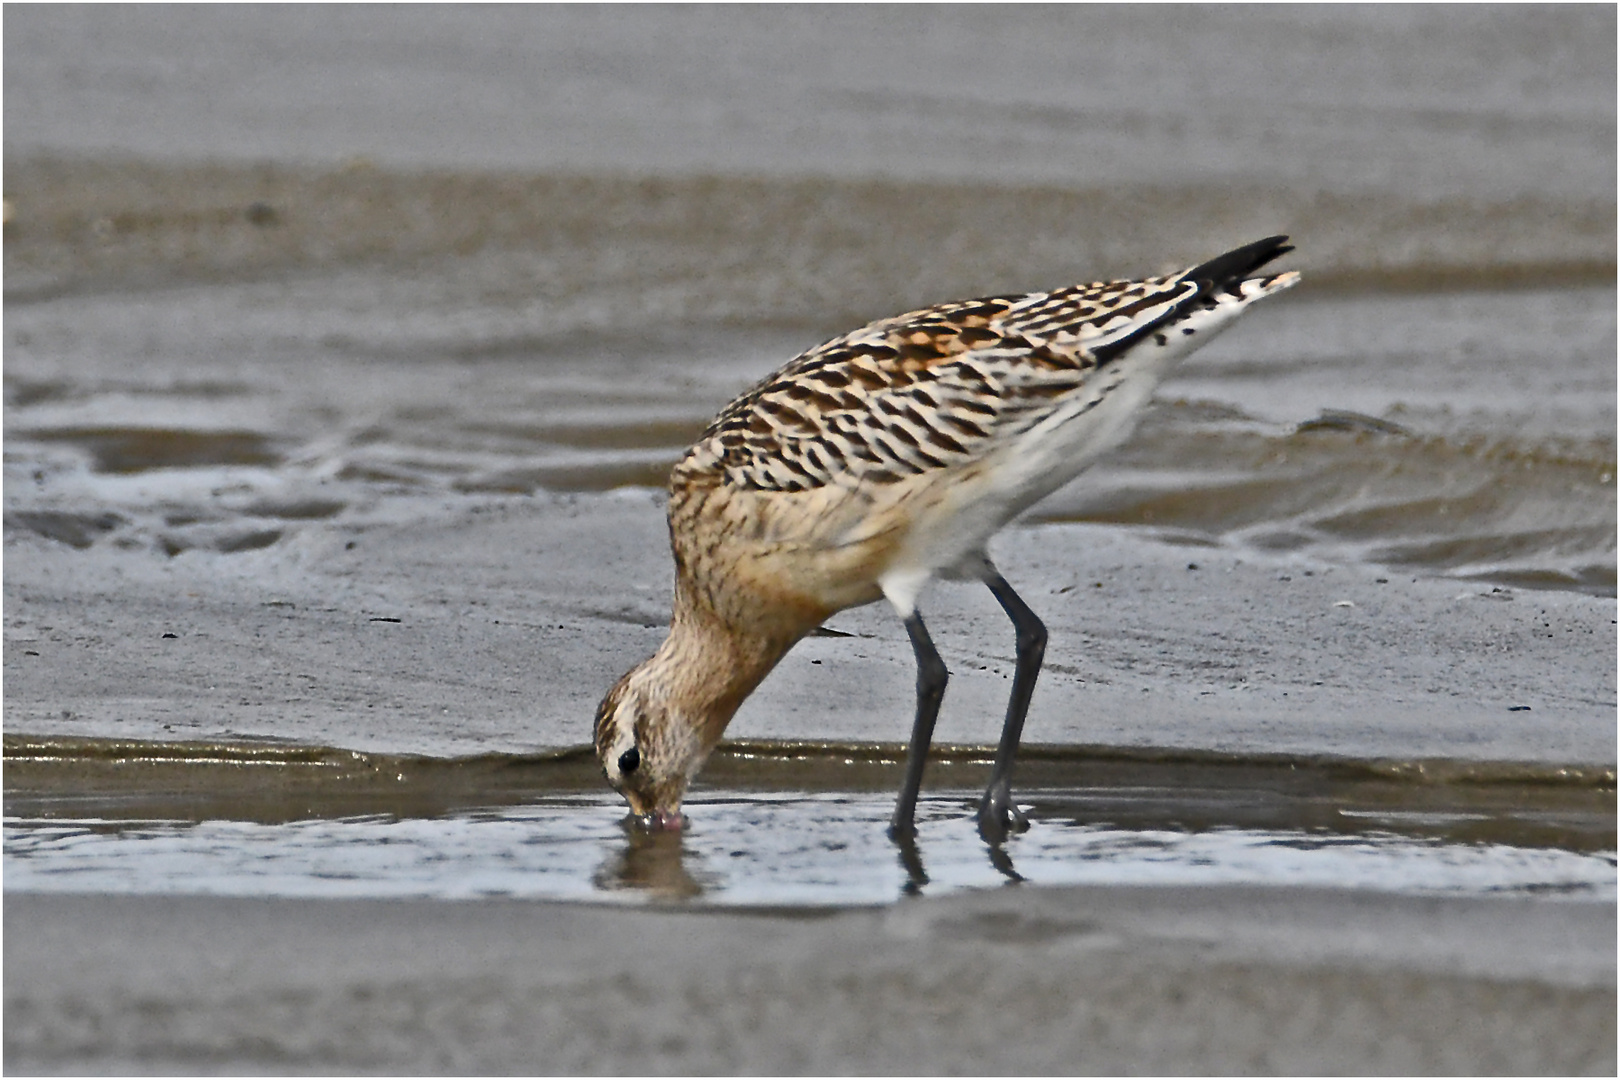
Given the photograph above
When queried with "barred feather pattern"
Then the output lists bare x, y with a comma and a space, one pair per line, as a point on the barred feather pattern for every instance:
937, 387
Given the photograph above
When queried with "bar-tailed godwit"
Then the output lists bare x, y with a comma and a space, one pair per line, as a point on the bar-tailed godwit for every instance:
875, 462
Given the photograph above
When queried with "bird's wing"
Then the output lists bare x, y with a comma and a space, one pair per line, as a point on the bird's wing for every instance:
923, 390
944, 385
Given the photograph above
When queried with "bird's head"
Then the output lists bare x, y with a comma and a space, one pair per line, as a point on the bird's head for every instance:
648, 749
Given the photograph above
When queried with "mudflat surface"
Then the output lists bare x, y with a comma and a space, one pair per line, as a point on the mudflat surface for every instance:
368, 405
495, 627
347, 348
1015, 980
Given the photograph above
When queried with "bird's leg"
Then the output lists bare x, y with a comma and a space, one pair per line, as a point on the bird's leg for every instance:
931, 678
997, 814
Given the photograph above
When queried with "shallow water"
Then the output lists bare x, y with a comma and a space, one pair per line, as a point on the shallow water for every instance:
784, 825
790, 850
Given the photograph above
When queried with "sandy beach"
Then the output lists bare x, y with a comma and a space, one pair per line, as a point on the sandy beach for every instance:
346, 352
1013, 981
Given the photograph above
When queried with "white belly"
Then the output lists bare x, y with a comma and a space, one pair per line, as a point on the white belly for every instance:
957, 515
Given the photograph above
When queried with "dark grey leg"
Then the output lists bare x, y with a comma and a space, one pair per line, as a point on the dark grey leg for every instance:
931, 678
997, 814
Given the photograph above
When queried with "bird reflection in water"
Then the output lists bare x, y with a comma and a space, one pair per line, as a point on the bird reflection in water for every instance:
917, 874
654, 862
659, 864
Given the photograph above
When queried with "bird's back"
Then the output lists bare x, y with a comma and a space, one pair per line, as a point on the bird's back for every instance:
916, 437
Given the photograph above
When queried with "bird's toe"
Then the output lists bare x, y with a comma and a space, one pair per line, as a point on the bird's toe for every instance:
999, 817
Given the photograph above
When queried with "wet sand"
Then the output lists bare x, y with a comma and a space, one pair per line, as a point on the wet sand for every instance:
492, 626
437, 636
475, 623
1015, 980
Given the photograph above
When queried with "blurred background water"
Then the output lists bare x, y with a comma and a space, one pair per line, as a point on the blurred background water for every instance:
271, 269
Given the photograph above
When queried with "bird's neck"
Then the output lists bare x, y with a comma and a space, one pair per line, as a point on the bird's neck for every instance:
708, 665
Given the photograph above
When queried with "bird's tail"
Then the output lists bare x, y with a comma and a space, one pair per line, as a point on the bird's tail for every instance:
1224, 271
1222, 288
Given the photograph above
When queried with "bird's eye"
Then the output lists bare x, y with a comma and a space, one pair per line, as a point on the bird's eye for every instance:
630, 760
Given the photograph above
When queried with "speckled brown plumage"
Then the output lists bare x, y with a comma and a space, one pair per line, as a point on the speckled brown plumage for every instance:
880, 459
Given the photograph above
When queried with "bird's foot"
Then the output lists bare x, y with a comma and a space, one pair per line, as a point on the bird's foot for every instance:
999, 817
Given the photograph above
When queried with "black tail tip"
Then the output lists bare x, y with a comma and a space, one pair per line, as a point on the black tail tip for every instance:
1281, 246
1239, 262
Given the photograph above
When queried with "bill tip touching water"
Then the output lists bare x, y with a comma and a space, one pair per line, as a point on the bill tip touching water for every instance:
875, 462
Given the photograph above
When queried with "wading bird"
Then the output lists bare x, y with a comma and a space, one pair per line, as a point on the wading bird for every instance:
875, 462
